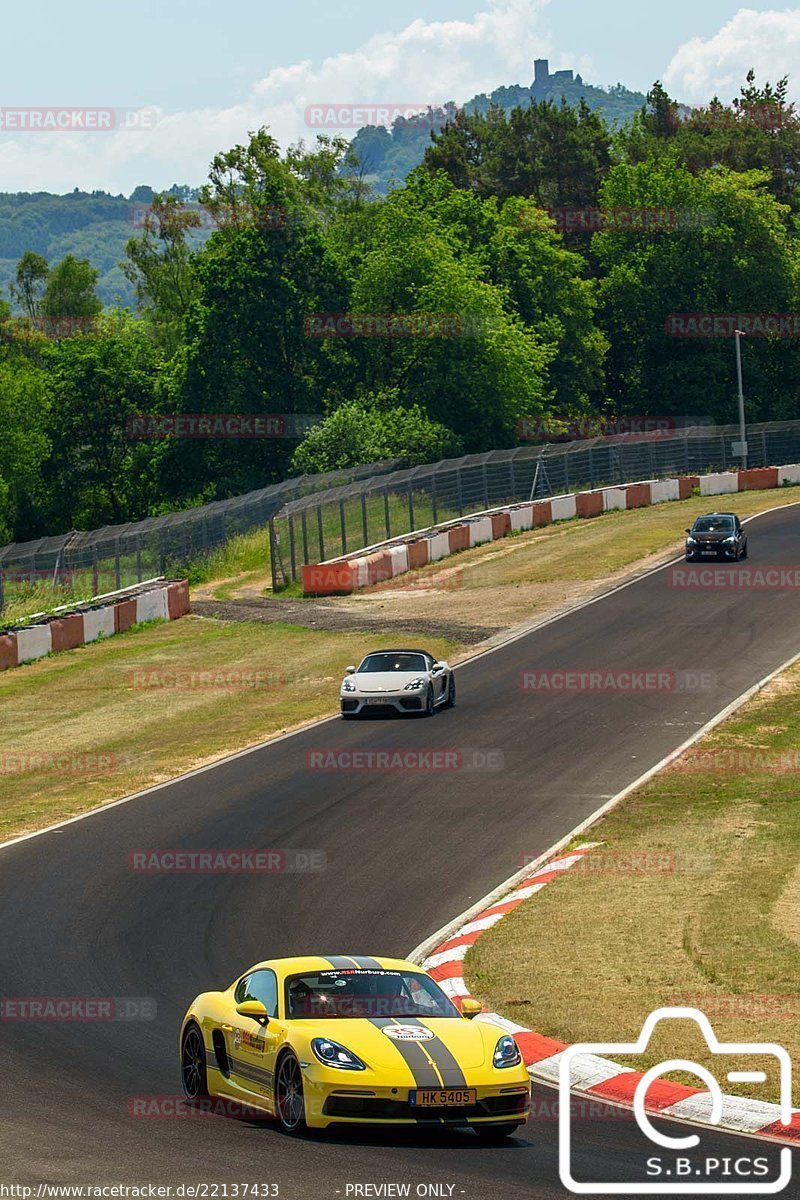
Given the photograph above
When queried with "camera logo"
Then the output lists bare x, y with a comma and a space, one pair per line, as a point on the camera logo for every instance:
675, 1172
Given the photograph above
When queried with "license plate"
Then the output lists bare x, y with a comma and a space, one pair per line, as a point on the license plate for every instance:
708, 552
378, 700
442, 1097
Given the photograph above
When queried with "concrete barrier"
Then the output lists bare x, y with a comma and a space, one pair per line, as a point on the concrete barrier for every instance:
360, 572
687, 484
33, 641
522, 518
588, 504
458, 536
178, 599
662, 490
501, 525
789, 474
614, 498
8, 651
329, 579
720, 484
542, 514
380, 566
124, 615
418, 553
66, 633
563, 508
98, 622
480, 530
399, 559
638, 495
758, 479
439, 546
152, 606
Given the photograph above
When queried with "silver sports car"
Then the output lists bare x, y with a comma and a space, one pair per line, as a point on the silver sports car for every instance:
408, 681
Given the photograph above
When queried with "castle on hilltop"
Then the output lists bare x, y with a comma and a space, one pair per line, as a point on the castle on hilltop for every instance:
544, 82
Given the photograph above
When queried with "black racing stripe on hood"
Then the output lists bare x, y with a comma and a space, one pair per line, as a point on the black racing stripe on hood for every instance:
340, 962
444, 1059
363, 960
415, 1057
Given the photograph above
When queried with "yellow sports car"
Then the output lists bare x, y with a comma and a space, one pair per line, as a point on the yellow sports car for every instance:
345, 1039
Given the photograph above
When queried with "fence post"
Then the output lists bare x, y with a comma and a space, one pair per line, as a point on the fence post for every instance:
386, 512
305, 535
410, 507
273, 557
512, 480
364, 519
117, 566
2, 602
138, 558
95, 587
433, 496
320, 534
485, 487
292, 559
459, 494
343, 526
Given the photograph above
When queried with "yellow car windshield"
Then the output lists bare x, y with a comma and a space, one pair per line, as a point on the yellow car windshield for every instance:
365, 993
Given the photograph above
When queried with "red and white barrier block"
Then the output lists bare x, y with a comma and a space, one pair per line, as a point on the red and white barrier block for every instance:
596, 1077
68, 628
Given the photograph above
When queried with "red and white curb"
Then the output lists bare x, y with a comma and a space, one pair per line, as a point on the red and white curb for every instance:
592, 1076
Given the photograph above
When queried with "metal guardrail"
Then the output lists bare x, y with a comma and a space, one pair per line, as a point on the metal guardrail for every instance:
330, 523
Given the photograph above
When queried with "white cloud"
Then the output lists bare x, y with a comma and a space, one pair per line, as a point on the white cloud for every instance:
769, 42
426, 62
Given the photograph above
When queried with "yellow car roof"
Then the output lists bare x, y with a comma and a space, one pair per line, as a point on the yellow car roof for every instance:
330, 962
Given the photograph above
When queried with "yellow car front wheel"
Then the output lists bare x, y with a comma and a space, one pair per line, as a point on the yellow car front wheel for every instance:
290, 1103
193, 1064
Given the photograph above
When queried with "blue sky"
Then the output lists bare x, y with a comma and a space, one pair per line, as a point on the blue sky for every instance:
213, 70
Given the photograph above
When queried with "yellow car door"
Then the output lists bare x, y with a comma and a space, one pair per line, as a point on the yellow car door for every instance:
252, 1045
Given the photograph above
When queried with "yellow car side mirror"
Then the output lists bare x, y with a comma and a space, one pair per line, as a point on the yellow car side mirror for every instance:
254, 1009
470, 1008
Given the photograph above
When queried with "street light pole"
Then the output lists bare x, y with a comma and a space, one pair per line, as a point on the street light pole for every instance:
742, 429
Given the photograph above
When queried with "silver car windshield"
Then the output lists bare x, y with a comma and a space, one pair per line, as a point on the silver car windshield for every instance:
374, 663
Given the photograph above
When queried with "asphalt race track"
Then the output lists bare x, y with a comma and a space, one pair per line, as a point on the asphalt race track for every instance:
406, 851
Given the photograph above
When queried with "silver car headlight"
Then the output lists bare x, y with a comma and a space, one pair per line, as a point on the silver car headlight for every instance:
415, 685
332, 1054
506, 1053
729, 541
690, 541
348, 686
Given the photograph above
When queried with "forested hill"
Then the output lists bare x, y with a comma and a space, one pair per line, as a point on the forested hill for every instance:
387, 156
91, 225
